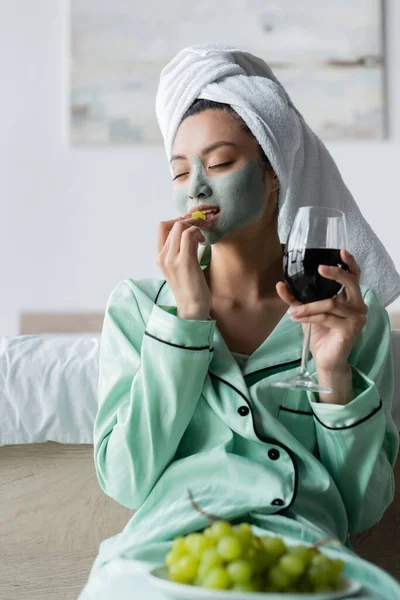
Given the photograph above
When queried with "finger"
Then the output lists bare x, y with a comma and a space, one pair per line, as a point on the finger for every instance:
348, 280
344, 314
329, 321
350, 262
285, 295
354, 326
174, 241
330, 306
189, 243
164, 229
201, 223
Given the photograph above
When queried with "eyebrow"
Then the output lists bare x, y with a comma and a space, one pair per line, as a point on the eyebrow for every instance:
207, 150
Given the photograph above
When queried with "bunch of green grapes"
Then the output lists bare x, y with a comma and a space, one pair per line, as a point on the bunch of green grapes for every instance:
226, 557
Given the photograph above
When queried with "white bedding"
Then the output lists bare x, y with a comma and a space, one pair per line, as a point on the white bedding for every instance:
48, 388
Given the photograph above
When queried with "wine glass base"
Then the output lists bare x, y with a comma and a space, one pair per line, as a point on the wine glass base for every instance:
302, 384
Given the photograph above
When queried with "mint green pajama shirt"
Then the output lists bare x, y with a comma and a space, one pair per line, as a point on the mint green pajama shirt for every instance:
177, 413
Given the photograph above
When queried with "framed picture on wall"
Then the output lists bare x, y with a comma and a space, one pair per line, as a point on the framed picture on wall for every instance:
329, 56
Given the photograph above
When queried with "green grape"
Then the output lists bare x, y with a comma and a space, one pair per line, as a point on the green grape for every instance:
190, 539
245, 586
258, 559
229, 548
170, 558
218, 530
217, 579
197, 544
304, 552
178, 547
292, 564
274, 546
320, 560
244, 533
281, 579
185, 570
337, 566
240, 571
319, 574
208, 561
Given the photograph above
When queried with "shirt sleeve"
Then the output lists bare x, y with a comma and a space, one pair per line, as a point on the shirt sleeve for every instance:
358, 442
151, 376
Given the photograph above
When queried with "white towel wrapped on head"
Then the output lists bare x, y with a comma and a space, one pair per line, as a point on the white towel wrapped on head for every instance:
308, 175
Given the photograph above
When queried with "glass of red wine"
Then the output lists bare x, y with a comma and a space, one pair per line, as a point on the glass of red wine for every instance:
316, 238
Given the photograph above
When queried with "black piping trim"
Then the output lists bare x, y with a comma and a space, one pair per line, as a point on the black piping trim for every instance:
286, 364
159, 291
170, 343
177, 345
268, 441
298, 412
354, 424
231, 386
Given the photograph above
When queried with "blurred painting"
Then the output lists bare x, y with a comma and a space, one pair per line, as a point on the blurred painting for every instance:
328, 55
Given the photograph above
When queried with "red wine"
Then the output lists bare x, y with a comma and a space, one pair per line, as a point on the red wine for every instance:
301, 273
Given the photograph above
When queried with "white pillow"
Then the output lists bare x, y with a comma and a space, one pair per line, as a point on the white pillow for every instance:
48, 388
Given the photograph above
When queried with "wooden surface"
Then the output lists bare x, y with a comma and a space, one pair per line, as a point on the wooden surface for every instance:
381, 543
53, 517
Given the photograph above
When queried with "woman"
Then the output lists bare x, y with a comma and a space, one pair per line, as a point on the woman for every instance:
186, 364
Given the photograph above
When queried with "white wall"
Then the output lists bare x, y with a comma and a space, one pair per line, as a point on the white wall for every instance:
73, 222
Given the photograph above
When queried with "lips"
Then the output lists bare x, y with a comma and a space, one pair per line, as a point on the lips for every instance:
203, 207
210, 217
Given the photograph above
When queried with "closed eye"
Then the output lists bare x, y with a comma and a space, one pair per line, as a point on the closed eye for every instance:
180, 175
226, 164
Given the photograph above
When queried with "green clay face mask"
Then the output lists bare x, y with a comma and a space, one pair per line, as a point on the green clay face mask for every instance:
239, 194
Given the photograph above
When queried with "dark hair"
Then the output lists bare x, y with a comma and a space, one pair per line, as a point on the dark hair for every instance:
201, 105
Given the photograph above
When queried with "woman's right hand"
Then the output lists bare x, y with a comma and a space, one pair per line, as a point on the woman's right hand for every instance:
177, 246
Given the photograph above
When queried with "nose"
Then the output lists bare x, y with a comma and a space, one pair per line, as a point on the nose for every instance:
204, 192
198, 188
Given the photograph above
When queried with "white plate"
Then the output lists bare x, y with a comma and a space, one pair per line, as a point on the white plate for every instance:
159, 578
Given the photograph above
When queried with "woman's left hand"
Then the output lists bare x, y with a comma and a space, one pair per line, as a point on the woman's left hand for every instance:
336, 322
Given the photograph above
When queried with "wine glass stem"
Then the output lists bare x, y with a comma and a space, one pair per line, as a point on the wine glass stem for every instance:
305, 352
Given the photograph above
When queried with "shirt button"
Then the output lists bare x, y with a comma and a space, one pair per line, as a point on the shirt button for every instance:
243, 411
273, 453
277, 502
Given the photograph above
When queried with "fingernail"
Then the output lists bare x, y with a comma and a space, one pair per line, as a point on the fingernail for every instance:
294, 310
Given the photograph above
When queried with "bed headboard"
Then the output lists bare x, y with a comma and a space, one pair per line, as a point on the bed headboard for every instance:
395, 320
35, 323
